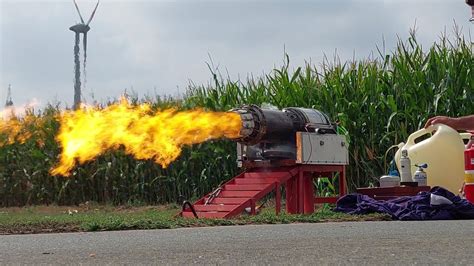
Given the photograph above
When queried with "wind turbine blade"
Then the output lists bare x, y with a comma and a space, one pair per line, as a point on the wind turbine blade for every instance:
93, 12
77, 8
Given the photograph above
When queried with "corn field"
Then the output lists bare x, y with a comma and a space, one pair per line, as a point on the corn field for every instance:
379, 101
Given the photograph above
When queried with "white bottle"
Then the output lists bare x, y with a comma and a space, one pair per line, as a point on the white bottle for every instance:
405, 165
420, 176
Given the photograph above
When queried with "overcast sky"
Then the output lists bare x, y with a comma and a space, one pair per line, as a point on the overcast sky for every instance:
162, 45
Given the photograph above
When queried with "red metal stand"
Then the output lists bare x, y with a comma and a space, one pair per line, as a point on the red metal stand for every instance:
300, 196
260, 179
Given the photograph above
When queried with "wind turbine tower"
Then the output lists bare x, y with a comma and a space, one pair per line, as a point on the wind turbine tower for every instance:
9, 101
78, 29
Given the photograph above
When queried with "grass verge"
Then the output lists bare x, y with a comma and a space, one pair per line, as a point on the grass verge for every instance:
42, 219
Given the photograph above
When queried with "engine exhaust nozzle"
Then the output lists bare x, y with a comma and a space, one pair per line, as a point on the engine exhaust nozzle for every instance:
272, 125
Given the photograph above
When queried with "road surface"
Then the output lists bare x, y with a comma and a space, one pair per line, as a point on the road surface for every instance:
393, 242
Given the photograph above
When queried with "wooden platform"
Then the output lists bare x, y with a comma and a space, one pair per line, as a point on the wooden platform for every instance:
386, 193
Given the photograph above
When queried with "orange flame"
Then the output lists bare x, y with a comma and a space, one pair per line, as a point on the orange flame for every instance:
16, 124
12, 131
142, 132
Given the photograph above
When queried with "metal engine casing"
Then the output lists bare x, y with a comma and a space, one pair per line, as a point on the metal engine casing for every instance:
269, 134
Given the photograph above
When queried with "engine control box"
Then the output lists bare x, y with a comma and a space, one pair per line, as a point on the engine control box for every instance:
321, 149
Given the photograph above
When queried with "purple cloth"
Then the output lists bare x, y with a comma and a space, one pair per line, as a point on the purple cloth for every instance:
416, 207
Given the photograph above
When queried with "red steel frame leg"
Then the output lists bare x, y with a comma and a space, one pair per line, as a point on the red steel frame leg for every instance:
252, 207
342, 182
291, 196
301, 188
308, 206
277, 198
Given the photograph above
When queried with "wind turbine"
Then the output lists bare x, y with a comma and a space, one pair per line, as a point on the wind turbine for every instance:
78, 29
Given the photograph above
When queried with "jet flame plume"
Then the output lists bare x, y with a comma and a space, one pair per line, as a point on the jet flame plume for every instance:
139, 130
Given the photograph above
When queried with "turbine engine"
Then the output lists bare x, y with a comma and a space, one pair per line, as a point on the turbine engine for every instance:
270, 134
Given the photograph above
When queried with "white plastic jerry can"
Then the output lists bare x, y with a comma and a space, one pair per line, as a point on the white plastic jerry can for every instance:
442, 150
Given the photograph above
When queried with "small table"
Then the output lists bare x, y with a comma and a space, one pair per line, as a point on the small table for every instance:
386, 193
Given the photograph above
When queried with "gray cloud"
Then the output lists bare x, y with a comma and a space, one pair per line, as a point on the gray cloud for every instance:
164, 44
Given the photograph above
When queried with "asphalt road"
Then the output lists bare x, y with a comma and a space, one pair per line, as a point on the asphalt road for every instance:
435, 242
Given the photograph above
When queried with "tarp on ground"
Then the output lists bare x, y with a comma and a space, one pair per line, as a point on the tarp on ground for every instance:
437, 204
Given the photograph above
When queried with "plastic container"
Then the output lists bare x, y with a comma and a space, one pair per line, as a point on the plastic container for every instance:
469, 171
469, 192
442, 150
389, 181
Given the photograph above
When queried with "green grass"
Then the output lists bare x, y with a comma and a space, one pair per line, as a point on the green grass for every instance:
34, 220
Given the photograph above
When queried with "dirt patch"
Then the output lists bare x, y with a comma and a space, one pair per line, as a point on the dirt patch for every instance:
39, 228
81, 208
